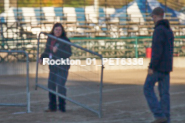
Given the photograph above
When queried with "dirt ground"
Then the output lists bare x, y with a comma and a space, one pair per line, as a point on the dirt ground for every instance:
123, 100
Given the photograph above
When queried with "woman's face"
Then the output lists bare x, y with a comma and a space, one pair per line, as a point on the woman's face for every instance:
57, 31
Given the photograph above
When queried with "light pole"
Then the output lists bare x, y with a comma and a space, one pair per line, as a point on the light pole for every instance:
96, 7
6, 6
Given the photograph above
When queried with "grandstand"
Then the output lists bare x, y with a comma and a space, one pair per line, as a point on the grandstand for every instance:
80, 21
23, 24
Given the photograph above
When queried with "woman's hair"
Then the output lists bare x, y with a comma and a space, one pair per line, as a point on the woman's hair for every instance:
58, 25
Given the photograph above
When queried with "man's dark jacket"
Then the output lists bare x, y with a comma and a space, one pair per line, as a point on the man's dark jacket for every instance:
162, 47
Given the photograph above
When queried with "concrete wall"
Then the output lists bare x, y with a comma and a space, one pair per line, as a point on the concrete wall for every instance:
20, 68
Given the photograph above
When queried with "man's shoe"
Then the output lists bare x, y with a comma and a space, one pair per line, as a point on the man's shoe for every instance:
160, 120
49, 110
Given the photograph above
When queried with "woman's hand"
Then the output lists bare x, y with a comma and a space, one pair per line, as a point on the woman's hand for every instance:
55, 49
40, 61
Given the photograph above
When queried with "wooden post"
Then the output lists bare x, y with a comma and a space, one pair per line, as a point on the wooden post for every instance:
165, 6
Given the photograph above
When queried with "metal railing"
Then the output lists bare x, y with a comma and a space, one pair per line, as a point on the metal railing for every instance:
85, 86
27, 82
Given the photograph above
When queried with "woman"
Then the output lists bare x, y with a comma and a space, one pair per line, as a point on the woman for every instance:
58, 73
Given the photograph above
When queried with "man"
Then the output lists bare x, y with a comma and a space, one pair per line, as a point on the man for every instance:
160, 68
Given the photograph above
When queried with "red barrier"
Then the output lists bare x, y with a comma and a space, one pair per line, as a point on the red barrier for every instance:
148, 52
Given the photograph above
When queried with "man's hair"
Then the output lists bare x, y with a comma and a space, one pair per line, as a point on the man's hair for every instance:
158, 11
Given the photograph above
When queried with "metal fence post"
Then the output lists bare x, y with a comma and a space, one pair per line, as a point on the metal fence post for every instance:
28, 86
37, 62
27, 80
101, 89
136, 49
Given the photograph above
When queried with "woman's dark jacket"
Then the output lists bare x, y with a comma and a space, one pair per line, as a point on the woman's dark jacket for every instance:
63, 51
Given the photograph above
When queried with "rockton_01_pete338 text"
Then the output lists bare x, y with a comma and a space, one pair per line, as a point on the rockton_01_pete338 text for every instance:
93, 61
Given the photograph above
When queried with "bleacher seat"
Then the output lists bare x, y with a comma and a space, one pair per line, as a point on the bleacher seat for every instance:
11, 16
101, 14
80, 13
59, 13
121, 14
18, 14
90, 14
142, 4
39, 14
109, 12
29, 15
2, 18
70, 14
50, 14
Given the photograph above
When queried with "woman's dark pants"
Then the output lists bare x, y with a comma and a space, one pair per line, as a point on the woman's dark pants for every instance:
57, 79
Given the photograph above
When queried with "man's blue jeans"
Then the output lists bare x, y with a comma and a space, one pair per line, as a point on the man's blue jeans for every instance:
160, 108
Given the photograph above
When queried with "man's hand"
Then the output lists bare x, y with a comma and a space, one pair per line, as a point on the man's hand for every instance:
40, 61
150, 71
55, 49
